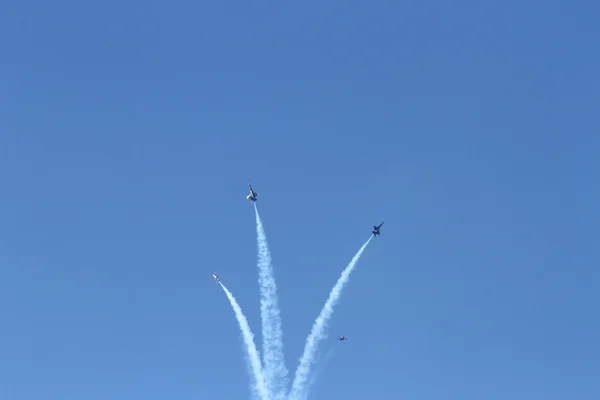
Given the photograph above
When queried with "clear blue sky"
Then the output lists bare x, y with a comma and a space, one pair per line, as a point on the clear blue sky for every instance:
130, 130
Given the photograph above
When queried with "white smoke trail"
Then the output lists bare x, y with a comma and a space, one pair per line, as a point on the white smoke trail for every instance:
253, 355
299, 386
272, 333
321, 362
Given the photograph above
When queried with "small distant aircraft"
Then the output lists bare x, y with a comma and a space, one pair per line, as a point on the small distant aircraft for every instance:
253, 196
376, 229
342, 338
216, 277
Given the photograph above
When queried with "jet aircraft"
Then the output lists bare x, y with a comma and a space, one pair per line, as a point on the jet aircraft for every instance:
253, 196
216, 277
342, 338
376, 229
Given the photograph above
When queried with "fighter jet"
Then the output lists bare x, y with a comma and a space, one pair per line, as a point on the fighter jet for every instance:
342, 338
216, 277
376, 229
253, 196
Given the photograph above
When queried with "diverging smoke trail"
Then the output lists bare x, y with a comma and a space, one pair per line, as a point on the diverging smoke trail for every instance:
317, 333
253, 356
321, 362
272, 333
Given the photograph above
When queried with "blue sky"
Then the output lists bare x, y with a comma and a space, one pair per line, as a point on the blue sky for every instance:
128, 135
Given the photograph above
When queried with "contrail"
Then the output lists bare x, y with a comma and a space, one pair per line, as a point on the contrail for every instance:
299, 386
272, 333
321, 362
253, 355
